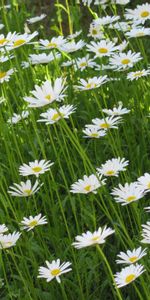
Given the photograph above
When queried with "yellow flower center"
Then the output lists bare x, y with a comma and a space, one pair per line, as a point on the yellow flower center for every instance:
140, 34
95, 238
94, 31
36, 169
125, 61
6, 245
2, 41
130, 278
131, 198
109, 173
33, 223
57, 116
19, 43
52, 45
87, 188
2, 74
48, 97
83, 64
90, 85
55, 272
148, 185
102, 50
133, 259
28, 192
104, 125
138, 74
145, 14
94, 134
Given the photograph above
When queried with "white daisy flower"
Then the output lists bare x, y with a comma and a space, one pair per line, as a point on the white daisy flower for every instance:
105, 20
92, 131
54, 43
1, 26
87, 185
128, 274
96, 32
124, 60
83, 63
9, 240
25, 64
131, 257
116, 111
43, 58
4, 40
21, 39
128, 193
138, 74
74, 35
24, 189
54, 270
35, 168
54, 115
144, 182
102, 48
16, 118
121, 2
121, 26
146, 233
3, 228
138, 32
140, 14
91, 83
46, 94
5, 75
147, 208
97, 237
72, 46
107, 123
31, 222
36, 19
113, 166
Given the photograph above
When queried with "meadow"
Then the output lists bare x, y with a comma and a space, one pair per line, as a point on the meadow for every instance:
75, 150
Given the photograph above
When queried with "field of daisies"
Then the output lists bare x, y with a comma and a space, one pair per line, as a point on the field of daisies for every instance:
75, 150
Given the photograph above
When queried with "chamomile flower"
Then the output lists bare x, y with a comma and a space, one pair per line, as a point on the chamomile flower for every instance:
72, 46
138, 32
74, 35
102, 48
83, 63
146, 233
131, 257
112, 167
124, 60
105, 20
3, 228
128, 193
18, 117
144, 182
96, 32
116, 111
121, 2
47, 93
54, 43
24, 189
128, 274
89, 184
91, 83
88, 238
4, 40
54, 115
43, 58
21, 39
138, 74
9, 240
5, 75
92, 131
36, 19
140, 14
54, 270
31, 222
107, 123
35, 168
